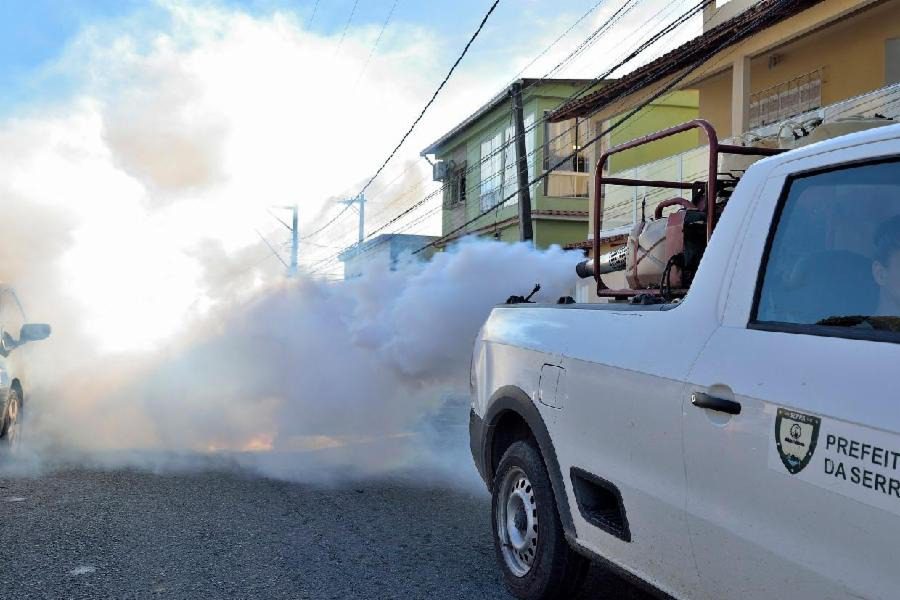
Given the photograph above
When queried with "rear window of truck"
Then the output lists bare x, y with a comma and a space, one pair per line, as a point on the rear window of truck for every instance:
832, 264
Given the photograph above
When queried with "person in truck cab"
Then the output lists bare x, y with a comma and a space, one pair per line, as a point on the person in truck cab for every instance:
886, 267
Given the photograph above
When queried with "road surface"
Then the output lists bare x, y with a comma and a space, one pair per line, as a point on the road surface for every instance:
73, 533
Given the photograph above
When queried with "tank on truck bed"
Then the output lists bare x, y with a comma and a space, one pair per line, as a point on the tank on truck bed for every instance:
661, 255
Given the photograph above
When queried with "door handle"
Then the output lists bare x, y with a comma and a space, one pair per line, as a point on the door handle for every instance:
701, 400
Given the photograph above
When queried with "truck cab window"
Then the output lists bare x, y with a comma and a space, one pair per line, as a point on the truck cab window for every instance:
834, 260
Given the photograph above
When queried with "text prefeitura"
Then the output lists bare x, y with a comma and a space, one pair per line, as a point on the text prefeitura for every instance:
868, 454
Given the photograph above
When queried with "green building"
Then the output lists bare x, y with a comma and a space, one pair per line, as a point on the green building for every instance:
476, 163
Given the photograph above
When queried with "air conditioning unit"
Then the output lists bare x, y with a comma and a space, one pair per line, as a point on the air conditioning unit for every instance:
441, 170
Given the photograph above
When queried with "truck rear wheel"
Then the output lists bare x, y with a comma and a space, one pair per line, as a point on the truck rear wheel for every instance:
536, 560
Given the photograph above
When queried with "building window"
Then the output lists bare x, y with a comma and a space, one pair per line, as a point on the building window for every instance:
564, 149
491, 171
499, 177
456, 188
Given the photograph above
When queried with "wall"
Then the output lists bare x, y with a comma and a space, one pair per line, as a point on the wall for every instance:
847, 37
673, 109
548, 232
715, 102
829, 11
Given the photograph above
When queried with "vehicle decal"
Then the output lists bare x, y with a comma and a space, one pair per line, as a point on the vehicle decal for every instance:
796, 435
858, 462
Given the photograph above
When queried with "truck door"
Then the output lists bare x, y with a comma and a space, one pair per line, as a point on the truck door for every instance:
792, 411
619, 440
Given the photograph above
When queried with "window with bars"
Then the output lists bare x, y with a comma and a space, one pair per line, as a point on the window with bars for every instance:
455, 195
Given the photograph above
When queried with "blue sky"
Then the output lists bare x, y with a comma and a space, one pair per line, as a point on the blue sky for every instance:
33, 33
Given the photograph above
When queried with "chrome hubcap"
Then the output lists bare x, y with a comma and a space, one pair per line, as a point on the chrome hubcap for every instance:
517, 522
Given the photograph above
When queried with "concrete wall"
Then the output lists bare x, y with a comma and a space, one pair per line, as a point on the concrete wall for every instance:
715, 101
673, 109
548, 232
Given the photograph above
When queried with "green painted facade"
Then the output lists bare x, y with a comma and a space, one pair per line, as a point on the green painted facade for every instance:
677, 107
568, 223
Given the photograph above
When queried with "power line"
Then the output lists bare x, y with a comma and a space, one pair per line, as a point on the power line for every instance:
347, 26
681, 19
627, 7
534, 60
434, 96
593, 37
375, 45
313, 16
684, 17
271, 248
416, 122
664, 90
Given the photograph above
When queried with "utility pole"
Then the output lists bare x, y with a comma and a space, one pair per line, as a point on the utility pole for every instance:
295, 238
526, 231
295, 242
362, 217
361, 208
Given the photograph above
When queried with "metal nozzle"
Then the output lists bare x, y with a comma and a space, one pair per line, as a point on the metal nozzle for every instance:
610, 262
585, 268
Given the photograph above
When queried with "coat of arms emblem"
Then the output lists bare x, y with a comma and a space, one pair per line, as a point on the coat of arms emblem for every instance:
795, 436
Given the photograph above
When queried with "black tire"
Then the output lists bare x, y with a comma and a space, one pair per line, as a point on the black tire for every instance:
554, 570
11, 419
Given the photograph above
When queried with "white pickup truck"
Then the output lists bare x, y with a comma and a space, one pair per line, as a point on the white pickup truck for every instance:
742, 442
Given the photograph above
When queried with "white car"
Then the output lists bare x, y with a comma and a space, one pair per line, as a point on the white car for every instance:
15, 332
742, 443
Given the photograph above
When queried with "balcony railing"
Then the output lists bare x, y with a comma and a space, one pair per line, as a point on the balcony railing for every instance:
790, 98
623, 206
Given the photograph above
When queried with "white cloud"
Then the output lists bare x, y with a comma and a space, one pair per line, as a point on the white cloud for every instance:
182, 136
180, 131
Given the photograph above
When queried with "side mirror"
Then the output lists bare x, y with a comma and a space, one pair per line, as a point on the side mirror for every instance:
32, 332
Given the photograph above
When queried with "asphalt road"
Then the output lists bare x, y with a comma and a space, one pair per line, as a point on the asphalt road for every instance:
228, 534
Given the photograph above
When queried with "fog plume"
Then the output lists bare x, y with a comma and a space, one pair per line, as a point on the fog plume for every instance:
131, 201
306, 379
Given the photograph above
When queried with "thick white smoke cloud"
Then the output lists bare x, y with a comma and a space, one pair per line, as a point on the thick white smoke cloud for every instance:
328, 374
128, 213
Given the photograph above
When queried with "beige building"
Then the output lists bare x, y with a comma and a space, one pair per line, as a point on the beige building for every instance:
757, 67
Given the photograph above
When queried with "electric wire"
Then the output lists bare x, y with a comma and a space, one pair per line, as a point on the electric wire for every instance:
419, 118
347, 26
593, 37
313, 15
375, 45
681, 19
665, 89
434, 96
